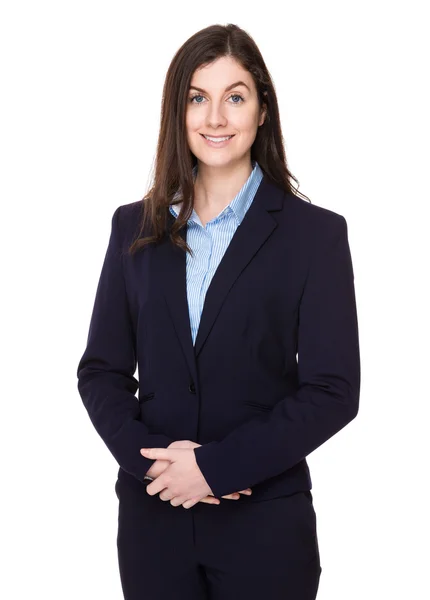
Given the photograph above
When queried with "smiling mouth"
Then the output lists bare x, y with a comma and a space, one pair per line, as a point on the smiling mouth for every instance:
220, 137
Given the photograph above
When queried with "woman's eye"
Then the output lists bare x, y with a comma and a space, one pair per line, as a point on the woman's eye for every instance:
194, 97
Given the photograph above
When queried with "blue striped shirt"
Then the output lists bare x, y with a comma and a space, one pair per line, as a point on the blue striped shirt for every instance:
209, 243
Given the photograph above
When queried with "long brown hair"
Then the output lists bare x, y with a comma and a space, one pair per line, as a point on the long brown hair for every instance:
174, 160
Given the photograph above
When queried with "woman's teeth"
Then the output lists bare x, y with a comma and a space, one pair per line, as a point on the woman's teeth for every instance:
217, 139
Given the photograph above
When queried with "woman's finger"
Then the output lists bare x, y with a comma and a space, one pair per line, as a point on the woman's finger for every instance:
210, 500
233, 496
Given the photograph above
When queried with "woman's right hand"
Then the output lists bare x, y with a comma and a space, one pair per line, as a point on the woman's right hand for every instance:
161, 465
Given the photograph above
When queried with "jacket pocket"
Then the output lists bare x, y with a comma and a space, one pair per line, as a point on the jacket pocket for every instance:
146, 397
259, 406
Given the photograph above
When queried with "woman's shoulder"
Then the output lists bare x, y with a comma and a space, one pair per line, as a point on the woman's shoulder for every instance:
310, 218
127, 219
130, 211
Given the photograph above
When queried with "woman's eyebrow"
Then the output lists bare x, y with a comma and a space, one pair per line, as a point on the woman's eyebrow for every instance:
229, 87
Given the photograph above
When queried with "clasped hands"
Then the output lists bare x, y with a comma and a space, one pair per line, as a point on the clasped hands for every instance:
177, 476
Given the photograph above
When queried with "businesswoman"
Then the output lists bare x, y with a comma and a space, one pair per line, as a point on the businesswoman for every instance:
234, 297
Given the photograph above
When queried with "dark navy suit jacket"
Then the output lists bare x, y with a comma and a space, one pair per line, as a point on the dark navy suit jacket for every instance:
275, 370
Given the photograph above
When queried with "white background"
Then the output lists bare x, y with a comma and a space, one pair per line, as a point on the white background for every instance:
80, 100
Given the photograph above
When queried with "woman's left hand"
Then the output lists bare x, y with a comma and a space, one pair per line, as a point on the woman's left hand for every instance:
182, 482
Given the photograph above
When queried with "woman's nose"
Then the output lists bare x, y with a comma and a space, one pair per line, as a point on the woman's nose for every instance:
215, 116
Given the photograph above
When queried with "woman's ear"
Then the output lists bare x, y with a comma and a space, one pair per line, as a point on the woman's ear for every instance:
263, 114
263, 111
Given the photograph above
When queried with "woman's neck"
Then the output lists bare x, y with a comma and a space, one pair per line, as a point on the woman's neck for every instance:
215, 187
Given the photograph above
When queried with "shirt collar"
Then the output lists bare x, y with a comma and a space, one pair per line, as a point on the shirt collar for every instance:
240, 203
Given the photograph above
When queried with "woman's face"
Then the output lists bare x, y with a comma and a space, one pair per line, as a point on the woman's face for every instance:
219, 106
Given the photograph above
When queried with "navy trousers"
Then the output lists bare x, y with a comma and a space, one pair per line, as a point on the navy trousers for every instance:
238, 549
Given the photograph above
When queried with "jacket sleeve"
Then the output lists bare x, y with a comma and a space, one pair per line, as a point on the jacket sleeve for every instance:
327, 397
106, 370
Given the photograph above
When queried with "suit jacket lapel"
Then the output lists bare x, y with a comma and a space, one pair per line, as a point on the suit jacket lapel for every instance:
170, 266
251, 234
256, 227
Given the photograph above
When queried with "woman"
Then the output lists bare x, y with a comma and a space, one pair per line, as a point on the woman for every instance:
212, 285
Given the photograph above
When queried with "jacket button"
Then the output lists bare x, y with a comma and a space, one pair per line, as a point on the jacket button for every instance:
192, 388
